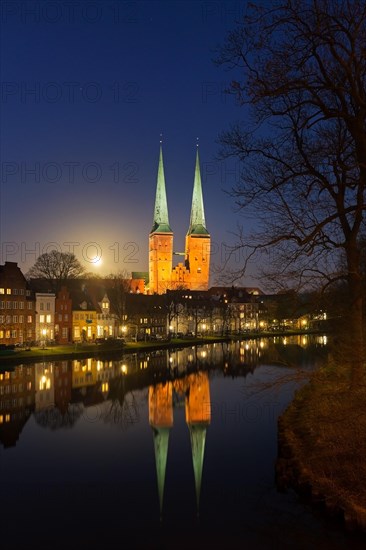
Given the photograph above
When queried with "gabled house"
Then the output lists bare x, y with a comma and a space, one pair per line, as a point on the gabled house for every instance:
17, 306
63, 317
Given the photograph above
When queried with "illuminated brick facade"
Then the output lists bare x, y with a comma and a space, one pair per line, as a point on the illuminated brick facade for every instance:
194, 273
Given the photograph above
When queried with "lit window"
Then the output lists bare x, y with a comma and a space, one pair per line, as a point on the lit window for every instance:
2, 290
8, 290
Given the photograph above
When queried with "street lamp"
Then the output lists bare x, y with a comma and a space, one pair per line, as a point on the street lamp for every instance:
44, 333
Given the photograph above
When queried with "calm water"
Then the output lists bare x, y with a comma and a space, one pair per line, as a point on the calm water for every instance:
163, 450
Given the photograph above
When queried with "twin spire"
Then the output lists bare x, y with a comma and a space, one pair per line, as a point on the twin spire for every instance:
197, 224
161, 217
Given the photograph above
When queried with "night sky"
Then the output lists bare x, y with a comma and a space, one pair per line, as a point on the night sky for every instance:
86, 90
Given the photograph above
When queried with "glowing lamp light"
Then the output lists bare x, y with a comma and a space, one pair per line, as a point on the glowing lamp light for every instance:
97, 260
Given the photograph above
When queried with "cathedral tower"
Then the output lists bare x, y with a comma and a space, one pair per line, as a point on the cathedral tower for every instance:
160, 239
198, 240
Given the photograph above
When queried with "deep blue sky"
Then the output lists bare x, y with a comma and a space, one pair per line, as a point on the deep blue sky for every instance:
87, 89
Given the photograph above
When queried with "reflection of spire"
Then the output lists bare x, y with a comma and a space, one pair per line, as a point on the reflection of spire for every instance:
161, 440
198, 439
161, 420
198, 417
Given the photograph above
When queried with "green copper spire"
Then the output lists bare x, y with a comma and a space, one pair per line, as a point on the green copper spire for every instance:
161, 218
197, 224
161, 440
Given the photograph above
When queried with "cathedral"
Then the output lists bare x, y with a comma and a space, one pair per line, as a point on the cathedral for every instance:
194, 272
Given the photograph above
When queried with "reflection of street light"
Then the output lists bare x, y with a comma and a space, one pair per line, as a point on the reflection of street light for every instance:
44, 333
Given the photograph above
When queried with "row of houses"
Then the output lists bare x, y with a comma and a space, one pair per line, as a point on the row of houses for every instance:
87, 309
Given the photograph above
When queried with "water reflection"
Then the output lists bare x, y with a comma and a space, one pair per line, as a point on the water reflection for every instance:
196, 391
118, 443
56, 392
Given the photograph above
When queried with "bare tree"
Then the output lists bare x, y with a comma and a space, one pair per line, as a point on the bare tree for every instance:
56, 267
119, 287
300, 68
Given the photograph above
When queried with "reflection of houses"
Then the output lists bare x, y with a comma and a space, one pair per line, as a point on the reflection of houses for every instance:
63, 385
17, 398
90, 380
196, 390
45, 386
84, 372
17, 311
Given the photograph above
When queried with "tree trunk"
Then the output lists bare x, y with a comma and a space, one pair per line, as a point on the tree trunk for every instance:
354, 320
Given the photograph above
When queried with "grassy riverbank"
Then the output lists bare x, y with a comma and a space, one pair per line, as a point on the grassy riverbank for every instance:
322, 446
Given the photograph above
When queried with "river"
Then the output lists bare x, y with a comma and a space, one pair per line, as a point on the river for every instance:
168, 449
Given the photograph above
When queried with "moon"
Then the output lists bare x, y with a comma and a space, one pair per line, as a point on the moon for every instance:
97, 260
